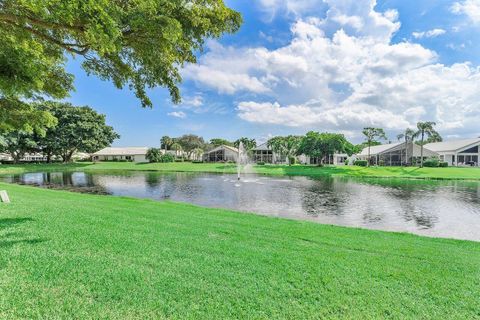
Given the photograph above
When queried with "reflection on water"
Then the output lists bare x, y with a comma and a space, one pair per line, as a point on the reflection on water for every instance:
435, 208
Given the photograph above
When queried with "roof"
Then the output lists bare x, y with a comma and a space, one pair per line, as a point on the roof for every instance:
453, 145
128, 151
379, 149
263, 146
222, 147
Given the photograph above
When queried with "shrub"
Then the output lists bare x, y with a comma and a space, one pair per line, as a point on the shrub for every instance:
346, 162
443, 164
153, 155
179, 160
431, 163
197, 161
361, 163
381, 163
261, 163
164, 158
292, 160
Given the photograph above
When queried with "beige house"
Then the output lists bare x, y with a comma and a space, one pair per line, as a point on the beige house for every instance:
133, 154
464, 152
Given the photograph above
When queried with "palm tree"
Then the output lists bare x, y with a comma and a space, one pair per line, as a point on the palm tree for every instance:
166, 142
425, 129
285, 146
176, 147
371, 134
408, 135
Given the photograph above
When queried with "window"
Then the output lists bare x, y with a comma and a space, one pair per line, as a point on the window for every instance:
471, 150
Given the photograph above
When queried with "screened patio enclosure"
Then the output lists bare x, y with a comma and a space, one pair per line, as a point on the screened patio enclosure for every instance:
221, 154
396, 154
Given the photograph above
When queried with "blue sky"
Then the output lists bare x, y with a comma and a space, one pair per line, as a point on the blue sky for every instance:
300, 65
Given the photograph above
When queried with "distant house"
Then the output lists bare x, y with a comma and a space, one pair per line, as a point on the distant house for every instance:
464, 152
134, 154
221, 154
263, 153
396, 154
337, 159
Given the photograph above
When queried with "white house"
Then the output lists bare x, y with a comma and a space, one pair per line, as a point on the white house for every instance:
396, 154
221, 154
464, 152
134, 154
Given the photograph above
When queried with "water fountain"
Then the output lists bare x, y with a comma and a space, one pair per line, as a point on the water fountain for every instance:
242, 159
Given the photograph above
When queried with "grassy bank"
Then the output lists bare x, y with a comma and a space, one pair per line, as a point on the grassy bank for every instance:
67, 255
380, 172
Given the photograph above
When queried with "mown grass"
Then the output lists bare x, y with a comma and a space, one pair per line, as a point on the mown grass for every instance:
352, 171
67, 255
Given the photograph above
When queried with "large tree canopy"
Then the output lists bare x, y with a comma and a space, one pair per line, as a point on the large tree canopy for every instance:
140, 44
322, 145
79, 129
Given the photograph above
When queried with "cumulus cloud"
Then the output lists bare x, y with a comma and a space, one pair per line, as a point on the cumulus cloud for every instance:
428, 34
343, 73
470, 8
178, 114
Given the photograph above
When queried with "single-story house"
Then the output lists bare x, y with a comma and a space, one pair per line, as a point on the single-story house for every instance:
396, 154
134, 154
464, 152
221, 153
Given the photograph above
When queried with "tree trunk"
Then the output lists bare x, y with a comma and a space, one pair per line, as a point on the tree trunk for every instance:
368, 161
421, 151
68, 156
49, 157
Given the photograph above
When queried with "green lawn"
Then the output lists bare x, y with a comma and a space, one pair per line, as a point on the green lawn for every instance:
378, 172
68, 255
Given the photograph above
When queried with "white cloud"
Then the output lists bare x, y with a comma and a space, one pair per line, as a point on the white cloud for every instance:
195, 101
296, 8
343, 73
178, 114
470, 8
428, 34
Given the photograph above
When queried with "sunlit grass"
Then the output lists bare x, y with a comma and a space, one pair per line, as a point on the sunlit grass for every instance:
68, 255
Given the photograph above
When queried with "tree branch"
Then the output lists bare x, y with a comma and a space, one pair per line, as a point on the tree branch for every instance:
40, 23
66, 46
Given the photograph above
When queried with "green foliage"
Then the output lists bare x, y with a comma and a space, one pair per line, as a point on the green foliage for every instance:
371, 136
165, 158
22, 116
79, 129
248, 144
426, 129
153, 155
361, 163
431, 163
321, 145
139, 44
190, 143
443, 164
260, 163
217, 142
166, 142
285, 146
17, 144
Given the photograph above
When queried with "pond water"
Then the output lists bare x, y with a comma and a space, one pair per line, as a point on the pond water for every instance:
434, 208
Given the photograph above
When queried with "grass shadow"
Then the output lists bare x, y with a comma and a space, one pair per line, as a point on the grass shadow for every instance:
10, 222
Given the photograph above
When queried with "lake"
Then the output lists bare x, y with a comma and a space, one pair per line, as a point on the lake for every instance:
433, 208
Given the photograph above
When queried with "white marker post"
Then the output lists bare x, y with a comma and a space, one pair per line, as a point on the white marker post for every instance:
4, 196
